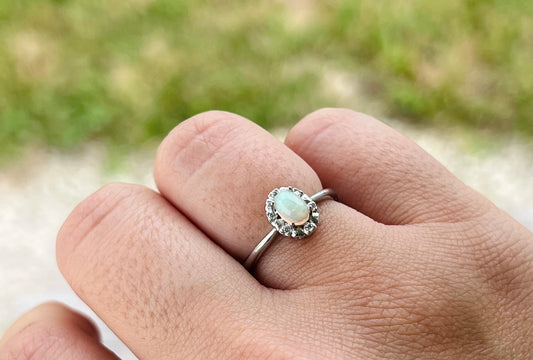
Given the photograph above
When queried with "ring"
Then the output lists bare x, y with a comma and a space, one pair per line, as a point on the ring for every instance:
292, 213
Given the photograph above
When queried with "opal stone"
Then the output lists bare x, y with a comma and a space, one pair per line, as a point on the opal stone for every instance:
291, 207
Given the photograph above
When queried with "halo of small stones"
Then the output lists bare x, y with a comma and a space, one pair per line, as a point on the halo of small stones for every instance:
289, 229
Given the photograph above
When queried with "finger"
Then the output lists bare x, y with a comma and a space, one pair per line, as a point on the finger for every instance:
218, 168
378, 171
52, 331
158, 282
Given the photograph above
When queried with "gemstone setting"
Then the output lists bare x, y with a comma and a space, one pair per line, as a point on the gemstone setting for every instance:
291, 212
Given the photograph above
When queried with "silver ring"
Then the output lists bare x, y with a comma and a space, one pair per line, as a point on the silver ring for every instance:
292, 213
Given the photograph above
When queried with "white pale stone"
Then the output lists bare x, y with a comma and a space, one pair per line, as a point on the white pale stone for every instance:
291, 207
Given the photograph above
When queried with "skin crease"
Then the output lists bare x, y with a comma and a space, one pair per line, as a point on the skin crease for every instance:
411, 263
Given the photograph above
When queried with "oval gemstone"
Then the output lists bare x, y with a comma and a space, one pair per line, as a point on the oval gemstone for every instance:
291, 207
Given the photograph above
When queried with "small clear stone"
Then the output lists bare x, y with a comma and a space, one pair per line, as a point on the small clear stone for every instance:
285, 229
309, 228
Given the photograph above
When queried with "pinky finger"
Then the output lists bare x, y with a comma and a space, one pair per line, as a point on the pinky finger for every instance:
52, 331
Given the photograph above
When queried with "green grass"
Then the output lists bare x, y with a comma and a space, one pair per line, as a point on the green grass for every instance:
128, 71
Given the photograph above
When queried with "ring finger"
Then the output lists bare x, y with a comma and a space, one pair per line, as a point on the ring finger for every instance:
217, 168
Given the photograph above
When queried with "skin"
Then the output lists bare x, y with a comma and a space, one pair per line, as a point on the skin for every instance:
411, 263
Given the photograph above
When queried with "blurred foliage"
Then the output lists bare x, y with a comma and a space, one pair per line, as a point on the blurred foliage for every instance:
128, 71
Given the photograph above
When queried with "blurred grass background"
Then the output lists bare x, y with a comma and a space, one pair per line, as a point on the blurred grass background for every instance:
126, 72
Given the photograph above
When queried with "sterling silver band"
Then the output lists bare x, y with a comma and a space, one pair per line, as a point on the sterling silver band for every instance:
263, 245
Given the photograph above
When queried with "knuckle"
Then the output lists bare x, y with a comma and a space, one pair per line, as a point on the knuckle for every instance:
332, 116
116, 245
39, 340
319, 125
104, 208
329, 113
193, 142
206, 127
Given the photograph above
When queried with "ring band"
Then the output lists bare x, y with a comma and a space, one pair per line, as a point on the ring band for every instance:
292, 213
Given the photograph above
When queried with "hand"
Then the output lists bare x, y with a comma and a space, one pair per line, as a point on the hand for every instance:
410, 263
